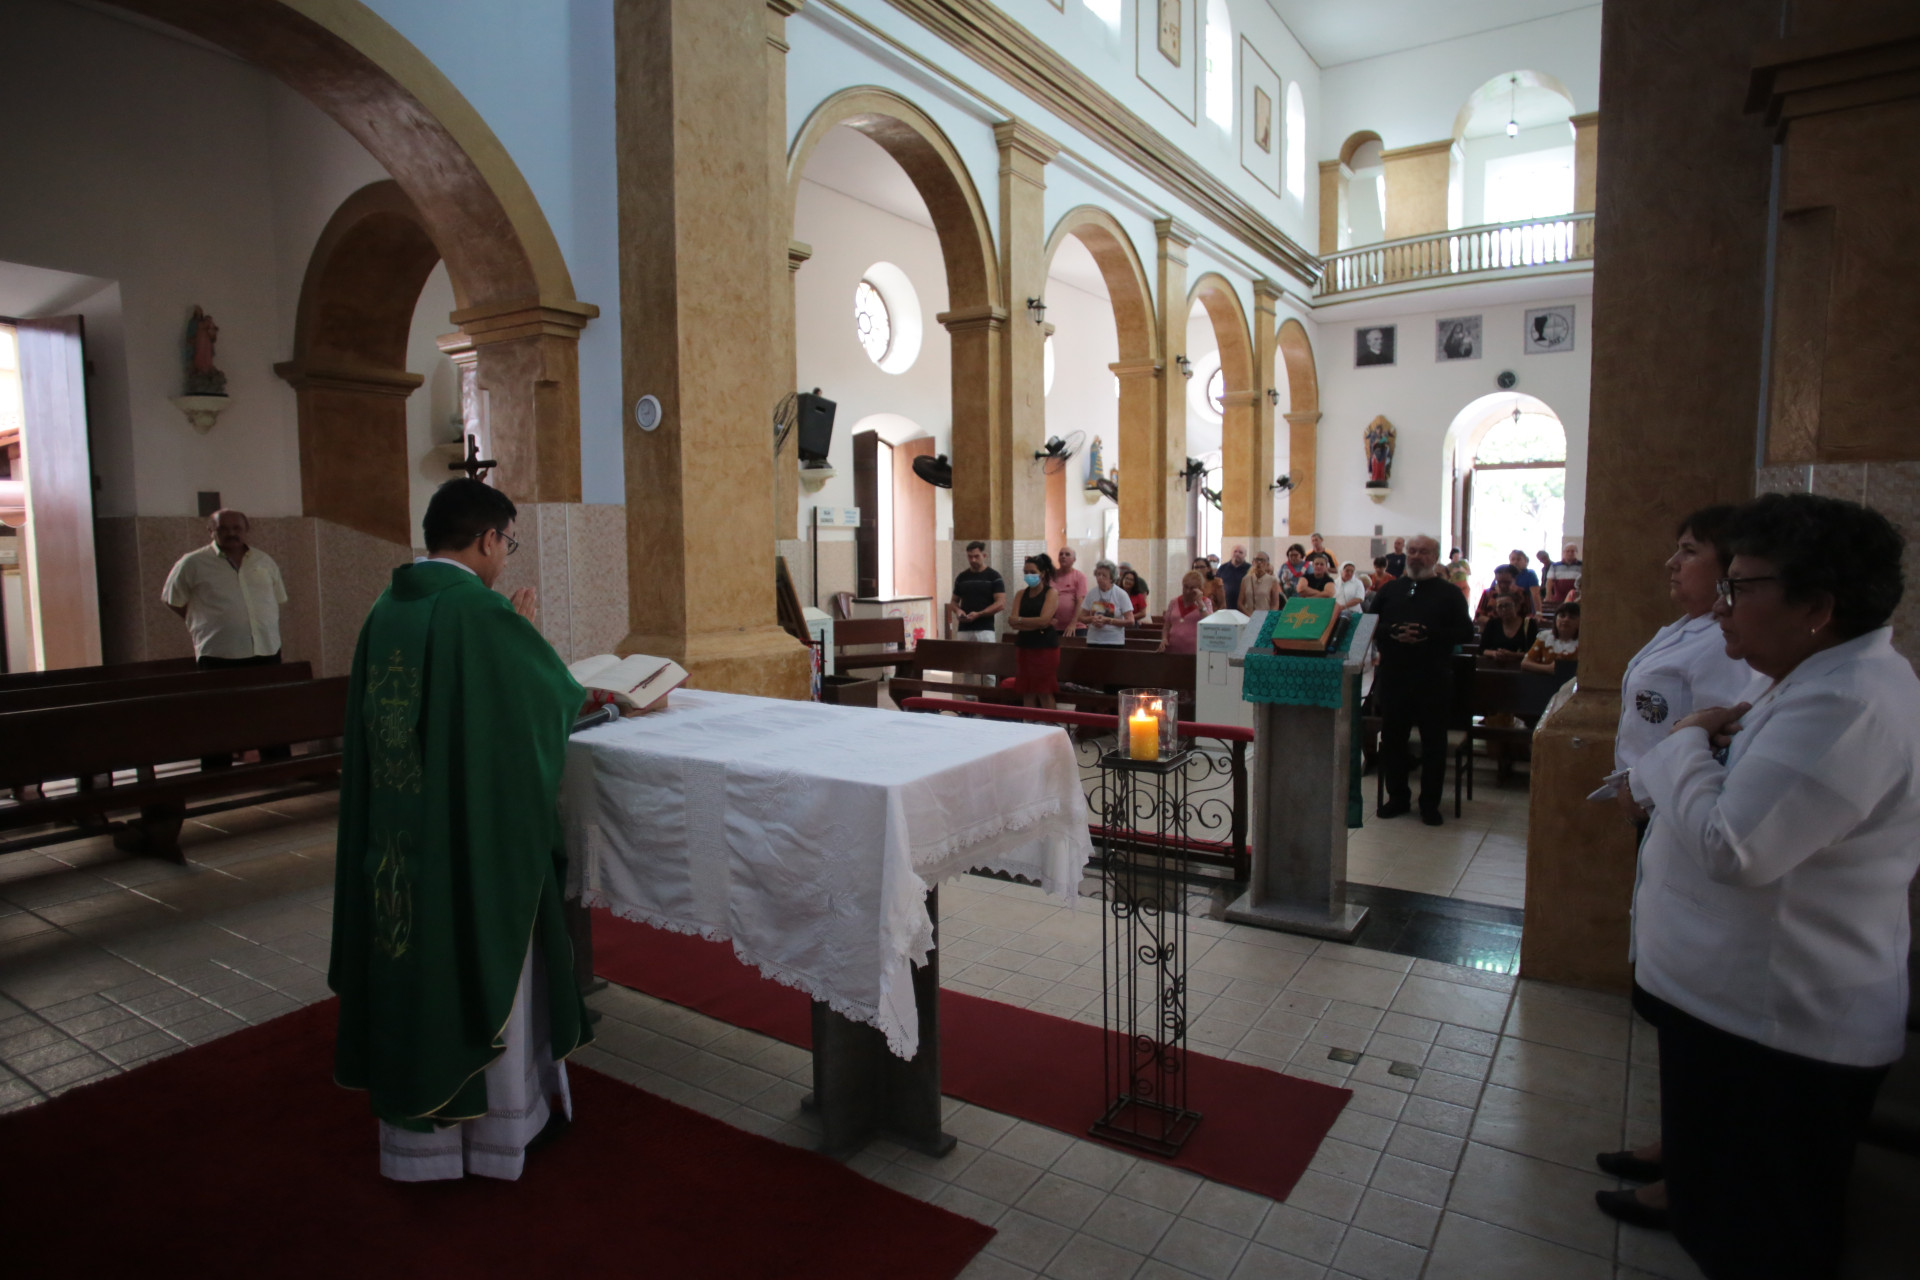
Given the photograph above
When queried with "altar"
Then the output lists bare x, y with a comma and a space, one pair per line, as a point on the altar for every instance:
813, 838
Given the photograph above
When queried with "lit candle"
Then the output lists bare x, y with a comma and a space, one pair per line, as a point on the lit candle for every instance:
1143, 735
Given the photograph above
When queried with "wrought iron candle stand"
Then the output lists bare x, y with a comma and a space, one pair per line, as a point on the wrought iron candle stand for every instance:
1143, 953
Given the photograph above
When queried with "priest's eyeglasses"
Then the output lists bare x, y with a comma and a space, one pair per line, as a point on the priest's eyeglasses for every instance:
1729, 589
513, 545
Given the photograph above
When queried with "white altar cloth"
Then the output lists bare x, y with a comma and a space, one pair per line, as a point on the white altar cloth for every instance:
809, 834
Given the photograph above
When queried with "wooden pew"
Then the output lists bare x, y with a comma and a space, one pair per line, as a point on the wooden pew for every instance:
48, 744
193, 680
90, 675
1521, 694
1096, 666
868, 631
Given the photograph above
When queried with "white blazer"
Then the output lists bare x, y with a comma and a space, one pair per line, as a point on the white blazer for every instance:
1683, 668
1773, 893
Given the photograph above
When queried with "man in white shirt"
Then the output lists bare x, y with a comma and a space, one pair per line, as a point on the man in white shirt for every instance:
230, 594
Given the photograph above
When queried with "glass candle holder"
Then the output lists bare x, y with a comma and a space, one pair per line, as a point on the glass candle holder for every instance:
1149, 723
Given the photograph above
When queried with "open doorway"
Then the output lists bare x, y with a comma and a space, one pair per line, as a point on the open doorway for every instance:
48, 586
894, 543
1506, 488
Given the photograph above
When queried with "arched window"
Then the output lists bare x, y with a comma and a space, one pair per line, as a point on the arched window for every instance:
1296, 142
871, 322
1219, 65
886, 317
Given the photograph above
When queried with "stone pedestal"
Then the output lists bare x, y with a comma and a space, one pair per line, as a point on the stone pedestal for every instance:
1300, 780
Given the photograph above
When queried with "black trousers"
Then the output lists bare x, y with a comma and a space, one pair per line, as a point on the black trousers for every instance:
1408, 700
259, 660
1757, 1145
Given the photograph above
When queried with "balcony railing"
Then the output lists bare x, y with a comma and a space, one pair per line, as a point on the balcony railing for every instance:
1501, 246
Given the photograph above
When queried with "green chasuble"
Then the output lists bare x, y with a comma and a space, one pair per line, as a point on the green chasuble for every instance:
450, 855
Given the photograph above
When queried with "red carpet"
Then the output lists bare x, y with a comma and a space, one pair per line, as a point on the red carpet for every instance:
242, 1158
1260, 1131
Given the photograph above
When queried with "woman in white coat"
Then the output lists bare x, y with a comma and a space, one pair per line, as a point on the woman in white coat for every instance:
1770, 920
1684, 666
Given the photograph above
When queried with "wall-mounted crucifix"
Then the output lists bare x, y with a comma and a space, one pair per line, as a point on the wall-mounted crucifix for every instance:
473, 464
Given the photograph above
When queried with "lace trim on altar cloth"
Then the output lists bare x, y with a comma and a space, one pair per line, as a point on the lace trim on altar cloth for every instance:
903, 1042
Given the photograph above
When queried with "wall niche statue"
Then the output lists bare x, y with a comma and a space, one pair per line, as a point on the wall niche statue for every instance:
1380, 437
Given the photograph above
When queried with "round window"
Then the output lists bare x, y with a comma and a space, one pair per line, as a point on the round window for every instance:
1217, 391
871, 323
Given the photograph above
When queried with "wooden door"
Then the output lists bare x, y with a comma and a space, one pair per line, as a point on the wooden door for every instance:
913, 568
1056, 529
866, 495
57, 558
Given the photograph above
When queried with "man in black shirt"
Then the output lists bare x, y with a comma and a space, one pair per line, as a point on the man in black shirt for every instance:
1397, 558
1422, 619
978, 594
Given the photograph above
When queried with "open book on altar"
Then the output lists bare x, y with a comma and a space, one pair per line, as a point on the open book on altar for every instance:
634, 684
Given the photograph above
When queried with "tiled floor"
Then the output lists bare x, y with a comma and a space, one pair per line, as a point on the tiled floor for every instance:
1480, 856
1479, 1165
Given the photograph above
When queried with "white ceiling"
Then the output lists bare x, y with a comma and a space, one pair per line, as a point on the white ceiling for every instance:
1512, 97
853, 164
1337, 31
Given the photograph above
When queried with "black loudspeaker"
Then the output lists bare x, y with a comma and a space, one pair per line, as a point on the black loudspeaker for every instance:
815, 426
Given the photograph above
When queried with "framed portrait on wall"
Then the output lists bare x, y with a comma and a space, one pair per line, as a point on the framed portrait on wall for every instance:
1258, 88
1373, 345
1548, 330
1456, 338
1160, 56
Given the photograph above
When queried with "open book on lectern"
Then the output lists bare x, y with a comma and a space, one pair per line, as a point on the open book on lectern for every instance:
635, 683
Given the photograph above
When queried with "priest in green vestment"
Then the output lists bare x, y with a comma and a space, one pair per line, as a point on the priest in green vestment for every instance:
451, 956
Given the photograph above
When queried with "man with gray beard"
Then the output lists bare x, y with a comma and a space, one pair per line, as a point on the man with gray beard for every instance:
1422, 619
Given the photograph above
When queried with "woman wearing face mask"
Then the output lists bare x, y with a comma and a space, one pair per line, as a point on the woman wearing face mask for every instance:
1684, 667
1770, 924
1035, 638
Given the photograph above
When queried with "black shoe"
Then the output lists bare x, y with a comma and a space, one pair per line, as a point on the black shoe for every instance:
1392, 809
1625, 1206
1431, 817
1625, 1164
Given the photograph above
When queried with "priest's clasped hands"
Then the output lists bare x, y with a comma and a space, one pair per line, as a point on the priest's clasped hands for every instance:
526, 603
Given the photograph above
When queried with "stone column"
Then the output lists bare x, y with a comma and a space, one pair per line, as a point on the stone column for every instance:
981, 506
1303, 463
355, 473
1586, 153
1668, 436
1242, 477
1024, 155
1417, 179
785, 371
1141, 403
696, 201
1333, 205
528, 363
1156, 470
1256, 490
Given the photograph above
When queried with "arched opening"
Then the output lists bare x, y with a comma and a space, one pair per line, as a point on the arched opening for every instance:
1111, 371
517, 305
1298, 382
1296, 141
1219, 65
349, 367
1513, 154
1363, 183
1505, 487
903, 165
1214, 309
